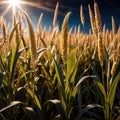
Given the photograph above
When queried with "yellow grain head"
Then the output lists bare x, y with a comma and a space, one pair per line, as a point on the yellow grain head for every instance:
82, 15
4, 31
53, 34
64, 37
55, 15
114, 66
20, 23
100, 49
97, 18
92, 21
4, 28
8, 31
78, 30
16, 30
113, 26
39, 27
118, 30
44, 33
31, 37
104, 28
75, 32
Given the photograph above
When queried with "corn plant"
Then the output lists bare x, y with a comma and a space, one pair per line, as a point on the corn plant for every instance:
108, 87
68, 89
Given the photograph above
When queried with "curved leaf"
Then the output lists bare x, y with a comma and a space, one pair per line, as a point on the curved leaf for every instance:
12, 33
3, 117
1, 77
102, 89
112, 92
59, 107
14, 103
79, 82
59, 75
31, 113
86, 109
35, 98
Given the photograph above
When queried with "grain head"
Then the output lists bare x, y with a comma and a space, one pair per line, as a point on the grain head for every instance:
92, 21
97, 18
82, 15
64, 37
39, 26
55, 15
113, 26
31, 37
100, 49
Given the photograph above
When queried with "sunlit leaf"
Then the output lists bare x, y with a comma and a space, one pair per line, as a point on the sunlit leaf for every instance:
87, 108
12, 33
14, 103
112, 92
31, 114
59, 75
79, 82
34, 97
59, 107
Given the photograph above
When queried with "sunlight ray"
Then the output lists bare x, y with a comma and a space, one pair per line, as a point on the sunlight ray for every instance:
6, 10
36, 5
4, 2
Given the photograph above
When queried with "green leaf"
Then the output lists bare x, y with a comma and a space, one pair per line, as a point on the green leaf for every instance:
38, 111
79, 100
25, 74
59, 107
13, 103
112, 92
3, 117
70, 60
94, 70
39, 52
12, 33
35, 98
102, 89
71, 74
43, 42
86, 109
59, 75
23, 41
94, 115
2, 62
46, 70
31, 113
79, 82
12, 60
72, 67
1, 77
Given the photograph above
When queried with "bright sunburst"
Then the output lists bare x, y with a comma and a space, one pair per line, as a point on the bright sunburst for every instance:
14, 3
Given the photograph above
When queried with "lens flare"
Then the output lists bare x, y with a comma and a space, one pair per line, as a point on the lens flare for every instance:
14, 3
17, 4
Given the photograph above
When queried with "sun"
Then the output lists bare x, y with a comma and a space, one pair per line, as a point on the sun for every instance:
14, 3
17, 5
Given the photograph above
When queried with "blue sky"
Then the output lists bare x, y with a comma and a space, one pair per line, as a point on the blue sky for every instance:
107, 8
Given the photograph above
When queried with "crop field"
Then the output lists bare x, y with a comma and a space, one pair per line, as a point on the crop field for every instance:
59, 73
